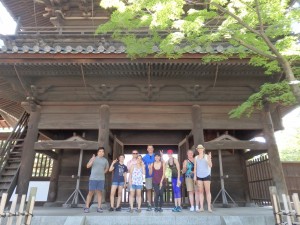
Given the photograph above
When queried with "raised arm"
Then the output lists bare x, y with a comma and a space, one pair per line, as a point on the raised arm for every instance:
112, 166
91, 161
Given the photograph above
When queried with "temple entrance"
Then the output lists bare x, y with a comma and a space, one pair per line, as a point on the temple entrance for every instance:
125, 141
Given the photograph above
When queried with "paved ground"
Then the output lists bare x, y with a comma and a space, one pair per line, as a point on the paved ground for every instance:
236, 211
220, 216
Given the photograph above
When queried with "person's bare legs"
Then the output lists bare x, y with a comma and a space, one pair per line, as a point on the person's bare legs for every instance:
112, 195
139, 198
208, 194
99, 197
201, 195
191, 197
120, 189
197, 197
89, 199
149, 196
131, 197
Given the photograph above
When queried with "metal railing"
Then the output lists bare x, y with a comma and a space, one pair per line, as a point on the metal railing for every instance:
13, 138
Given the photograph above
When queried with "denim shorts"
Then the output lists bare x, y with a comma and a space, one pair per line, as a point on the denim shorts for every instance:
136, 187
115, 183
96, 185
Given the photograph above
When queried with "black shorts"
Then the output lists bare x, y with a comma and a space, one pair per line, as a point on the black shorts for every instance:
208, 178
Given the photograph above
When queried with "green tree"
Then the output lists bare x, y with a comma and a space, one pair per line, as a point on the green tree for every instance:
291, 149
260, 30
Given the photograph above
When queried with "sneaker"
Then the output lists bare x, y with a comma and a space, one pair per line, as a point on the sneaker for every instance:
86, 210
131, 210
160, 210
179, 209
192, 209
111, 209
139, 210
174, 209
118, 209
156, 209
149, 207
99, 210
197, 209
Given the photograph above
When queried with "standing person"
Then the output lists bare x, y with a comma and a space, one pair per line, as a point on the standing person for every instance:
118, 181
157, 169
136, 182
176, 180
202, 171
188, 170
99, 167
148, 159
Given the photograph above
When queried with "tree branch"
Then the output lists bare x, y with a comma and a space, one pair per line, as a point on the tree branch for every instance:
251, 47
261, 25
239, 20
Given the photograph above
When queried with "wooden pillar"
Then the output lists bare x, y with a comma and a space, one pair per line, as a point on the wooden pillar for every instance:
274, 159
197, 128
103, 137
28, 153
53, 187
103, 140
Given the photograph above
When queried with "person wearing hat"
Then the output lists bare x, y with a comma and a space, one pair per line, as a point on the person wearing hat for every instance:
157, 169
202, 171
176, 180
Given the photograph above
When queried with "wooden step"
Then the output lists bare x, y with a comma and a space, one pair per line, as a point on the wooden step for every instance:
13, 167
9, 173
14, 159
4, 186
6, 179
18, 140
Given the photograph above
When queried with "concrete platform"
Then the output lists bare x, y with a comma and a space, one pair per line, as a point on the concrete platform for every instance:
220, 216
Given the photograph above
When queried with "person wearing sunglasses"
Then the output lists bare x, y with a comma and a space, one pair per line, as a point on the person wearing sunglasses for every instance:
132, 162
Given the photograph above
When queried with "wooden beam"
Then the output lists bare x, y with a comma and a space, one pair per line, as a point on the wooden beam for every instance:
68, 145
253, 145
28, 153
50, 153
197, 129
103, 136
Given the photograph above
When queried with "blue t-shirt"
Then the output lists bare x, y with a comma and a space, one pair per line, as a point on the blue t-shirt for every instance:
148, 159
119, 171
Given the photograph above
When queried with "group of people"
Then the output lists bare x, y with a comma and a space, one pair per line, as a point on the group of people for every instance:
197, 172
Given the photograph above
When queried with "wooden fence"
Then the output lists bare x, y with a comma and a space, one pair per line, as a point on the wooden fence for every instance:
289, 214
22, 215
260, 178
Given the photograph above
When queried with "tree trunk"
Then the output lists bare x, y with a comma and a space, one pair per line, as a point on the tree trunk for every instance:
289, 75
274, 159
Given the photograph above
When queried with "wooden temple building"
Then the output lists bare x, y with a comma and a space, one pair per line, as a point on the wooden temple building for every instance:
66, 89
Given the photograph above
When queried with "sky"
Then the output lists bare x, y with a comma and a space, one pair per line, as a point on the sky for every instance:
290, 122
